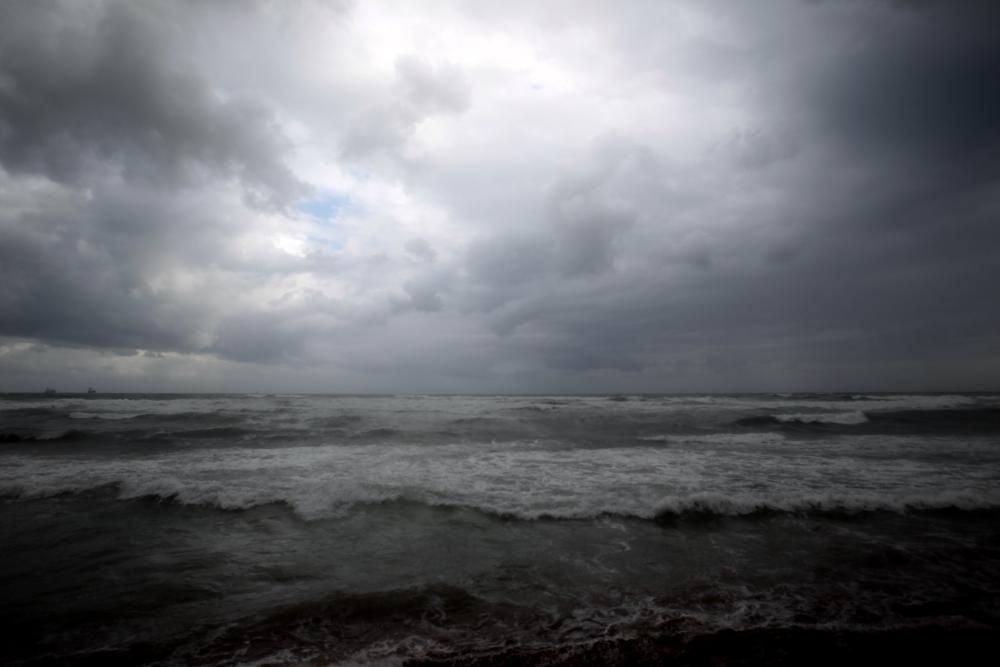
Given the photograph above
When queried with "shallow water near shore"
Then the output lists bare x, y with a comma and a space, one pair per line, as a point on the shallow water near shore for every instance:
337, 529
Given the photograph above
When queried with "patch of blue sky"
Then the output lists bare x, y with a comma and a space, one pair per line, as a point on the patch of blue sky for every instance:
328, 242
326, 207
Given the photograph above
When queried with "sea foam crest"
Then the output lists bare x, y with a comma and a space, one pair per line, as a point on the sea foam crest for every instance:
749, 439
853, 417
846, 503
318, 507
531, 481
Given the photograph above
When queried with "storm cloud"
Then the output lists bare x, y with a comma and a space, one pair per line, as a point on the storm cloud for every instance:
558, 196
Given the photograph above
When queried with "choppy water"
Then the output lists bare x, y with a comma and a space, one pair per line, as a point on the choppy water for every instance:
278, 529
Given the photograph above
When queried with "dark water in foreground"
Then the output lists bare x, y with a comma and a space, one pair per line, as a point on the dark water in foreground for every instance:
342, 530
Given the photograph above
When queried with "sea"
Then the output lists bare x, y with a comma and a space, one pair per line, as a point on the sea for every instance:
268, 529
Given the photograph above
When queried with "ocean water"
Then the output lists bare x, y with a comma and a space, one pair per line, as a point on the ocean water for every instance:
306, 529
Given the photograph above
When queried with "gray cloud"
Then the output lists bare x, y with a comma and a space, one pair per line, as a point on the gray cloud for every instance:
420, 249
797, 195
420, 91
920, 85
86, 88
74, 274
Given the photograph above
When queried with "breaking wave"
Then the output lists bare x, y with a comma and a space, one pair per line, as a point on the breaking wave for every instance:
948, 420
69, 435
825, 418
338, 504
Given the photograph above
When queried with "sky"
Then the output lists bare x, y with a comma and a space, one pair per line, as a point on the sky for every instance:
512, 196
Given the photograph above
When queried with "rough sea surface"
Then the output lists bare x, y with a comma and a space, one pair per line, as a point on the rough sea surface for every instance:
291, 529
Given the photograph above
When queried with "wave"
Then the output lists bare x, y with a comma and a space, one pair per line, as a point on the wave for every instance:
213, 432
336, 421
962, 418
948, 420
717, 505
715, 438
187, 417
383, 432
679, 637
425, 623
474, 420
43, 412
825, 418
110, 416
804, 420
698, 506
555, 401
743, 473
446, 624
71, 434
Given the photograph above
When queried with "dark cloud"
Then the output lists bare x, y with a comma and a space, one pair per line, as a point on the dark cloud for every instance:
79, 273
789, 195
508, 259
757, 148
91, 87
425, 292
917, 85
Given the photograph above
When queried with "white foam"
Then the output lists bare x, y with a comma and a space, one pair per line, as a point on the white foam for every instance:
748, 439
532, 480
282, 657
393, 652
102, 415
739, 505
861, 402
855, 417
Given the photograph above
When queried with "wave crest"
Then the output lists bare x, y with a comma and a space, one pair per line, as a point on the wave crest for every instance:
708, 505
64, 436
691, 506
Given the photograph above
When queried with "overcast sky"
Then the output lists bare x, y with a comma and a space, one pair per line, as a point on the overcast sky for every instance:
537, 196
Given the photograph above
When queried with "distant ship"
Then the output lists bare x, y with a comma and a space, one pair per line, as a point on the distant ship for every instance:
49, 391
91, 390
